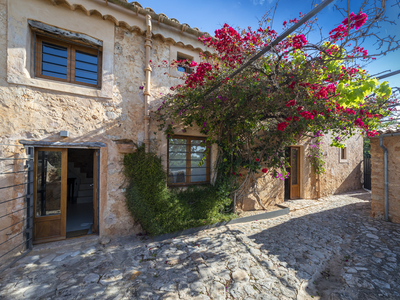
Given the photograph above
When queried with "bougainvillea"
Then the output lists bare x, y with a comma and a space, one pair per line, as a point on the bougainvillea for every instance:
298, 89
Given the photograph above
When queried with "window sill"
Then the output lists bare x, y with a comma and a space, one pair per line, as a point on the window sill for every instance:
59, 86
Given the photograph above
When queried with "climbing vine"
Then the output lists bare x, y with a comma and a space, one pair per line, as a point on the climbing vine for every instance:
299, 89
316, 155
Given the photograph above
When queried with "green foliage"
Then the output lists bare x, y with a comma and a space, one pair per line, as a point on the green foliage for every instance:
316, 156
160, 210
367, 146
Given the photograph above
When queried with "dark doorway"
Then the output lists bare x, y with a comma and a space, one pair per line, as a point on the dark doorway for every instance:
367, 171
80, 188
287, 180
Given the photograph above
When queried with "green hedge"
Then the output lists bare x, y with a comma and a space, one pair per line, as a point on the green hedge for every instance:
161, 210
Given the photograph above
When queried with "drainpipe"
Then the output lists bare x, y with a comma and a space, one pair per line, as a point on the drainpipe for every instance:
148, 45
385, 159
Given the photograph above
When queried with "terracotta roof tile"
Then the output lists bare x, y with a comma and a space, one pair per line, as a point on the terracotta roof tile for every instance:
390, 129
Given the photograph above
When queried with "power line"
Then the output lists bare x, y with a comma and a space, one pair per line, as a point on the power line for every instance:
389, 74
275, 42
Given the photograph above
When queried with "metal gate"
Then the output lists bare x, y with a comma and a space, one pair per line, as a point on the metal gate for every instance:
367, 171
16, 202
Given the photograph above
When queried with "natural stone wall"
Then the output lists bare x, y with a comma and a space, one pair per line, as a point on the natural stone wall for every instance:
340, 176
40, 112
346, 175
378, 179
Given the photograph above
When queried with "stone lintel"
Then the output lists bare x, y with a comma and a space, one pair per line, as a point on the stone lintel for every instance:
63, 144
65, 33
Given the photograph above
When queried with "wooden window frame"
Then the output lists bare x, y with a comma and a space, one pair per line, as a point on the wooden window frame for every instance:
188, 160
71, 50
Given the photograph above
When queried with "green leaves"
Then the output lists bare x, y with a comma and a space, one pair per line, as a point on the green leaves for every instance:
160, 210
266, 68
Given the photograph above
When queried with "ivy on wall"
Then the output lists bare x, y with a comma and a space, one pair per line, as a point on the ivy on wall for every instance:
162, 210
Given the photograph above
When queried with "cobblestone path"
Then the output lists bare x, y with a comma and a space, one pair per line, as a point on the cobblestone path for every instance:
333, 250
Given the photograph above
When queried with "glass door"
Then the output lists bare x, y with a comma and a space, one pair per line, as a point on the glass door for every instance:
50, 192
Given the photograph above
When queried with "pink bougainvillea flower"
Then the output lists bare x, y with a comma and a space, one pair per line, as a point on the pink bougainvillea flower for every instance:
282, 126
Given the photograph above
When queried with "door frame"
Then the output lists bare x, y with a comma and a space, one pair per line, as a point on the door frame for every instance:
63, 201
96, 186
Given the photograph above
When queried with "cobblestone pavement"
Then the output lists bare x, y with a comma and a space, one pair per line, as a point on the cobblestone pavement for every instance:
329, 251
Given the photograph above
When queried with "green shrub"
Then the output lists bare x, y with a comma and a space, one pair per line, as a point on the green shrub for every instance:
160, 210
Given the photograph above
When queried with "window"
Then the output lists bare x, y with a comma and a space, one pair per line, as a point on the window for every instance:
343, 154
184, 67
68, 62
184, 156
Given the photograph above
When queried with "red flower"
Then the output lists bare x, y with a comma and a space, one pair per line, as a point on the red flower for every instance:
291, 103
282, 126
240, 174
233, 173
265, 170
359, 122
257, 159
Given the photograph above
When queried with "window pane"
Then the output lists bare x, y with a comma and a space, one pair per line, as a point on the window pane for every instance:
197, 153
198, 174
177, 161
54, 60
48, 198
85, 67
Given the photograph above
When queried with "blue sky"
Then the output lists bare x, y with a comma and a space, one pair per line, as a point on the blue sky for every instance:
209, 15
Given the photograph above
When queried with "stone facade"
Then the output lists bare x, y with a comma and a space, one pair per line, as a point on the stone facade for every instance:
340, 176
392, 143
37, 109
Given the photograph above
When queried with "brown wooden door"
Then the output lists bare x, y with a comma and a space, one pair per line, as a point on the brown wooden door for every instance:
50, 195
96, 155
294, 172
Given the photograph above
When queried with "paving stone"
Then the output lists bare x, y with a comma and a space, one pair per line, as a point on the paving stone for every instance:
245, 261
62, 257
47, 258
111, 277
91, 278
240, 275
217, 291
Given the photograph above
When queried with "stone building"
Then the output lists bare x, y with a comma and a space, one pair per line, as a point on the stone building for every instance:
343, 173
386, 204
76, 84
76, 87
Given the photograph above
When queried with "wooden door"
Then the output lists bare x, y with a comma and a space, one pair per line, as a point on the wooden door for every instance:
50, 195
96, 156
294, 172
